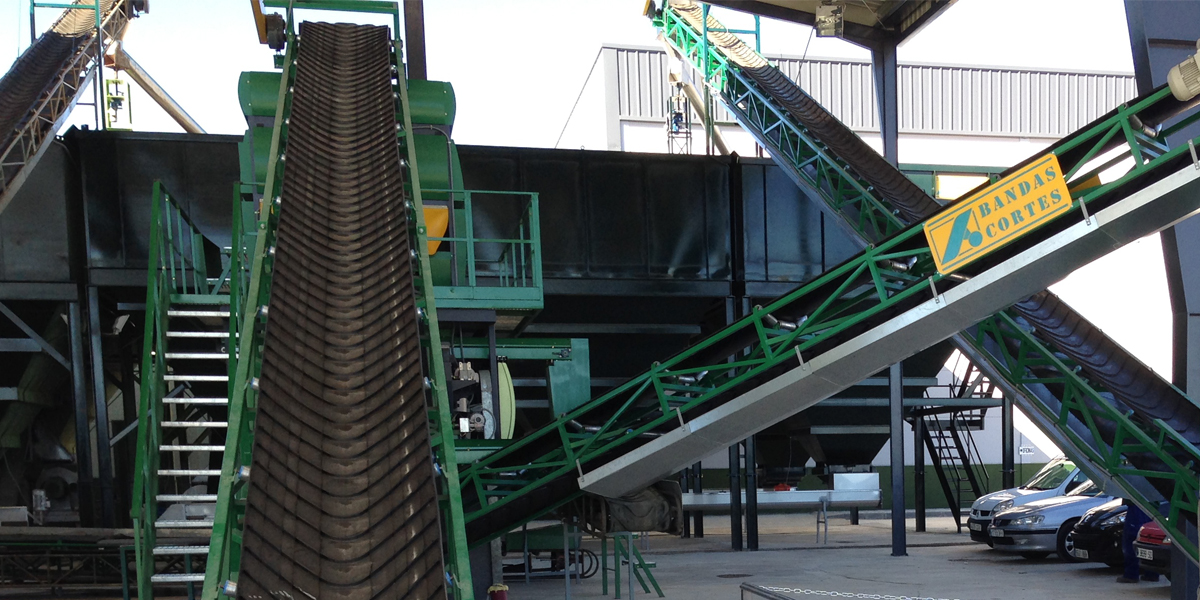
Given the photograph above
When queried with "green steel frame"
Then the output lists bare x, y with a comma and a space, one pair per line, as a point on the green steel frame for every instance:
872, 218
178, 274
225, 548
514, 276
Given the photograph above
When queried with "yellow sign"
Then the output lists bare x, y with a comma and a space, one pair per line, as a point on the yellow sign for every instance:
999, 214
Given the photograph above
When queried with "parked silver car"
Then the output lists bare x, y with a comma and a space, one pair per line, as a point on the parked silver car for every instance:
1058, 477
1043, 526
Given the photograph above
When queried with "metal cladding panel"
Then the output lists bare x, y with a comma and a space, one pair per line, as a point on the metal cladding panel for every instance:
642, 80
34, 244
613, 215
934, 99
783, 231
118, 172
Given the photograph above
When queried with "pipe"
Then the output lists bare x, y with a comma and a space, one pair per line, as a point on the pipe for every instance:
124, 62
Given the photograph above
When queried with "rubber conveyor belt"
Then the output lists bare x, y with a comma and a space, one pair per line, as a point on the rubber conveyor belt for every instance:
342, 501
1130, 380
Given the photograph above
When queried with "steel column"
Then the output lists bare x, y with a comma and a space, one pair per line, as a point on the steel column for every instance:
735, 498
896, 397
414, 39
100, 398
698, 485
918, 424
883, 67
1007, 468
751, 495
83, 438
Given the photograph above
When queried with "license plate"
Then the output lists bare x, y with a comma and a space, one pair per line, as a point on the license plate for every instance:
996, 533
1146, 554
1081, 553
975, 526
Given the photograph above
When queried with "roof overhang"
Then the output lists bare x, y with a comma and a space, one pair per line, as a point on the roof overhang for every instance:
867, 23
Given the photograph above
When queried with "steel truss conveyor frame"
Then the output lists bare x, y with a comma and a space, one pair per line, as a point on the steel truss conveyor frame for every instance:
1051, 360
889, 288
238, 471
63, 61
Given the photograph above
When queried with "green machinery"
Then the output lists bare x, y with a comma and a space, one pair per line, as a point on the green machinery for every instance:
195, 433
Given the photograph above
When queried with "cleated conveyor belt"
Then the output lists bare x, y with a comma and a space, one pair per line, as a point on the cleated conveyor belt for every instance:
40, 89
342, 501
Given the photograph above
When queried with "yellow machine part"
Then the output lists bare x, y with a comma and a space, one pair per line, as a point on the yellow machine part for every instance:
508, 403
437, 220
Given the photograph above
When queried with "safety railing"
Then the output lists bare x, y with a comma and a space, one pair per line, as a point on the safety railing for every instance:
178, 272
1115, 141
495, 262
250, 291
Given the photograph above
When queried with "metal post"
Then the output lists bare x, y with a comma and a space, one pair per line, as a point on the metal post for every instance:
751, 496
919, 468
685, 485
698, 486
100, 399
1007, 469
98, 83
896, 403
735, 498
883, 64
494, 365
566, 560
414, 42
83, 438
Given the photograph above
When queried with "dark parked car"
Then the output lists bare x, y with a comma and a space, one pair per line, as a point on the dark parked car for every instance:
1153, 548
1098, 534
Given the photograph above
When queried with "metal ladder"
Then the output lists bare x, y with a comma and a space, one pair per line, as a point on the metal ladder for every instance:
193, 428
956, 458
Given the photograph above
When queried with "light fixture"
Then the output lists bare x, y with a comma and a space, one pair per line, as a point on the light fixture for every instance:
829, 19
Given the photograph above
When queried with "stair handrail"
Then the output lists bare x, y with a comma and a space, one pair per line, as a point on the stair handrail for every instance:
177, 266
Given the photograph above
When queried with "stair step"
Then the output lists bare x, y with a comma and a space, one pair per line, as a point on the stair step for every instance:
186, 497
197, 524
166, 550
190, 448
185, 400
196, 356
189, 472
214, 424
177, 578
198, 313
195, 378
198, 334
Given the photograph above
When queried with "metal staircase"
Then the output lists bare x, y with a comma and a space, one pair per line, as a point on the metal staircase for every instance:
1119, 421
956, 459
188, 355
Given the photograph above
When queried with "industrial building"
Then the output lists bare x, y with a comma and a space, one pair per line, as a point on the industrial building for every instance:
744, 297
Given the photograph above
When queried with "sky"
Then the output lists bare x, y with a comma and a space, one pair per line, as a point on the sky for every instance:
518, 65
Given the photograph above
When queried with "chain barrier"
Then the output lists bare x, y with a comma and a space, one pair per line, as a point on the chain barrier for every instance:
847, 594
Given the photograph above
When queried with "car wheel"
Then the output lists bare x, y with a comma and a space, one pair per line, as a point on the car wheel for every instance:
1066, 541
1034, 555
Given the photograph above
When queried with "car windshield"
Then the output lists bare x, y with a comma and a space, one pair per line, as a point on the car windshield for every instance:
1051, 476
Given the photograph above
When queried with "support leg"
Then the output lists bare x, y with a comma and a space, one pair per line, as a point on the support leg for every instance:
896, 403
